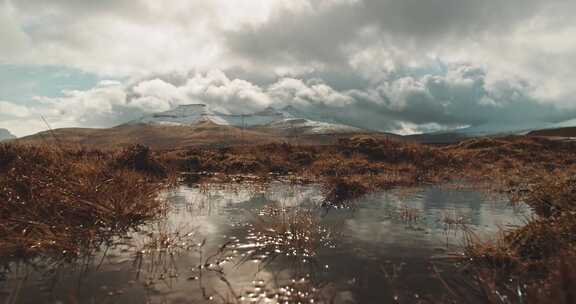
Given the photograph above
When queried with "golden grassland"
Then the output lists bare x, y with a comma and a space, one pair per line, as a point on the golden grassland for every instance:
55, 200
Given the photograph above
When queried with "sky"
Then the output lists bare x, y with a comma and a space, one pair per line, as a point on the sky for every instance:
405, 66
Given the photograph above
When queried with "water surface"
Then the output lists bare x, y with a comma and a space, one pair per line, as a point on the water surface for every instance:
275, 244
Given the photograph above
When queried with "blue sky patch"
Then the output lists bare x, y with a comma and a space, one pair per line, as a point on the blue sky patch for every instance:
20, 83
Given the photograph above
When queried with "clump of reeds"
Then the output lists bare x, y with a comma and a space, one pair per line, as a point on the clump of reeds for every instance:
553, 200
409, 214
540, 254
58, 202
292, 232
343, 190
139, 158
493, 285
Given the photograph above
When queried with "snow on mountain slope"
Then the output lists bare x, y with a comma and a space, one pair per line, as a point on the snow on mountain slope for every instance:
266, 116
182, 115
287, 119
6, 135
313, 127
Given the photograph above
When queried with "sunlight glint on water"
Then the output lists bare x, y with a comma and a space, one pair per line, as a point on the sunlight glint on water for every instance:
243, 244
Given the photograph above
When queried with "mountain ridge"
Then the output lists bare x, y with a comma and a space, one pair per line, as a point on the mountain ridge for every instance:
6, 135
286, 118
198, 125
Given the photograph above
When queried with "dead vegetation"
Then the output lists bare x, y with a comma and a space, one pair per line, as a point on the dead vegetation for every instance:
57, 202
363, 163
53, 200
527, 265
534, 263
139, 158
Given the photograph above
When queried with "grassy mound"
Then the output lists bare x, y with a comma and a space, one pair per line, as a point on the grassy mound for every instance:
55, 201
539, 257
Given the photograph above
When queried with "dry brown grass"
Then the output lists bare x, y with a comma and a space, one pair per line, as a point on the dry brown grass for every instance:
55, 201
494, 286
504, 163
534, 170
540, 257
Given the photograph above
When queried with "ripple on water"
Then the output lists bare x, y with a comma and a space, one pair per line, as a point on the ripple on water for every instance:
240, 244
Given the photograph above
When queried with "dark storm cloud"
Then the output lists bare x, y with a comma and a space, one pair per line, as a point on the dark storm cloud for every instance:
321, 35
305, 36
457, 100
387, 88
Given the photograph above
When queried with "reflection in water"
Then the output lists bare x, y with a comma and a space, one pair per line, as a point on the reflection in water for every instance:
274, 244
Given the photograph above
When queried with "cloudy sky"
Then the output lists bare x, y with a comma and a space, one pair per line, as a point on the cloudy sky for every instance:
392, 65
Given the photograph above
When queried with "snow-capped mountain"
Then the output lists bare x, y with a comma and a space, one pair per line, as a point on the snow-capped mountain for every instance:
182, 115
6, 135
312, 127
287, 119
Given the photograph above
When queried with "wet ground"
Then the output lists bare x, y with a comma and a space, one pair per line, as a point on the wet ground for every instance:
276, 244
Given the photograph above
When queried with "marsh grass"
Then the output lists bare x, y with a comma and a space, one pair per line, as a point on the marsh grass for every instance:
155, 256
534, 263
495, 286
290, 232
532, 170
410, 215
453, 222
58, 202
360, 164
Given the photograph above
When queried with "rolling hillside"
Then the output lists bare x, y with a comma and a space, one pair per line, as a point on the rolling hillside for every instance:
559, 132
197, 125
176, 137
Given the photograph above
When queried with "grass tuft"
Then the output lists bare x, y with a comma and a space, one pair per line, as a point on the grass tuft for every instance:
57, 202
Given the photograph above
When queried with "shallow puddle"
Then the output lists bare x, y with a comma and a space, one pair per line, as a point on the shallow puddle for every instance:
245, 244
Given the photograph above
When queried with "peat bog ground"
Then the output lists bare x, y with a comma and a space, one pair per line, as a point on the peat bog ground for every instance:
60, 203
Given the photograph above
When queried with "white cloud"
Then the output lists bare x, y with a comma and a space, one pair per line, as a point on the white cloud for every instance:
298, 92
123, 37
407, 102
14, 40
406, 64
13, 110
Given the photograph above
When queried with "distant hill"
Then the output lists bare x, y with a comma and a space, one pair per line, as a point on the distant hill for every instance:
558, 132
6, 135
561, 129
156, 136
180, 136
198, 125
438, 138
